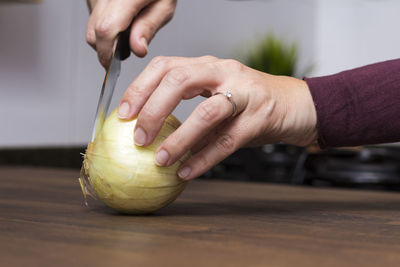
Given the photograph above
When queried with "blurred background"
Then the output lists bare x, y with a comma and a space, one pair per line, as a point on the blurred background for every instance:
50, 78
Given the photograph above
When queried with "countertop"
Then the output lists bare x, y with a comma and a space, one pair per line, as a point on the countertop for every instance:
43, 222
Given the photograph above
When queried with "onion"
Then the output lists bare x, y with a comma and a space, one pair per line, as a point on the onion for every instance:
123, 175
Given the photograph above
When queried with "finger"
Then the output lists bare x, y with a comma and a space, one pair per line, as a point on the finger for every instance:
90, 30
148, 22
115, 18
140, 90
91, 4
218, 149
202, 143
183, 82
202, 121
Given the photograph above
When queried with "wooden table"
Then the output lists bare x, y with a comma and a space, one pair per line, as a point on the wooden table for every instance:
43, 222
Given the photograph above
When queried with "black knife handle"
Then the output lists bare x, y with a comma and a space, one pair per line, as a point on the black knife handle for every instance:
123, 48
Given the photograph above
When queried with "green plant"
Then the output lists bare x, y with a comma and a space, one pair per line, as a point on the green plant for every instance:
272, 55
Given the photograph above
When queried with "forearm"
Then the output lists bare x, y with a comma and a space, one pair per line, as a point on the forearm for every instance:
359, 106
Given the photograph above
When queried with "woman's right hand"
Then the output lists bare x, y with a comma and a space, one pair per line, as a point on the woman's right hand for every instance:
110, 17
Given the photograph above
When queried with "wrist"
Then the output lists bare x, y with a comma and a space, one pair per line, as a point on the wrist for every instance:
300, 119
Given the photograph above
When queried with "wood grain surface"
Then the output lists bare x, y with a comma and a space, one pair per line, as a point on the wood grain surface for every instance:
43, 222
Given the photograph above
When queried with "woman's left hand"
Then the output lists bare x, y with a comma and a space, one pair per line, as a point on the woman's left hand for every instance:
269, 109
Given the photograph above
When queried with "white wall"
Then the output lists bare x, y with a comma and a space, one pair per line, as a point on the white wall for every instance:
354, 33
50, 79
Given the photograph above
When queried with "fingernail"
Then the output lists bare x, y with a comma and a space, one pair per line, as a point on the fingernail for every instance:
140, 137
162, 158
184, 172
123, 110
144, 42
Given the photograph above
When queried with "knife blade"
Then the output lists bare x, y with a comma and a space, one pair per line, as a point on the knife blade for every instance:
121, 52
106, 93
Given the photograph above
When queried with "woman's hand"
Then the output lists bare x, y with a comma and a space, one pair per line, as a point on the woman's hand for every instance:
270, 109
110, 17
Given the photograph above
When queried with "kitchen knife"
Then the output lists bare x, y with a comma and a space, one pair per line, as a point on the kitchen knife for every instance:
121, 52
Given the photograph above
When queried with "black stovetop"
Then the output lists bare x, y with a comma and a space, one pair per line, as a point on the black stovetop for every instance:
370, 167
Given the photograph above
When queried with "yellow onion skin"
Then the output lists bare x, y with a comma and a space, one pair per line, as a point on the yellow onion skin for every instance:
124, 176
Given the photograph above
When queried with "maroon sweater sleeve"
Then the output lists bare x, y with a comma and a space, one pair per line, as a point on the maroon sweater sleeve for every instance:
359, 106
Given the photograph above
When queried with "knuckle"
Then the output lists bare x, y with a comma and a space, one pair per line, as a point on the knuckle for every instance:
168, 17
174, 144
104, 28
203, 162
90, 37
233, 65
208, 58
177, 76
169, 11
225, 143
136, 90
208, 111
151, 26
149, 114
103, 57
172, 4
159, 62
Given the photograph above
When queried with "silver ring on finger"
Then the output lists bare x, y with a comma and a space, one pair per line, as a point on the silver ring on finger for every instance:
229, 96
